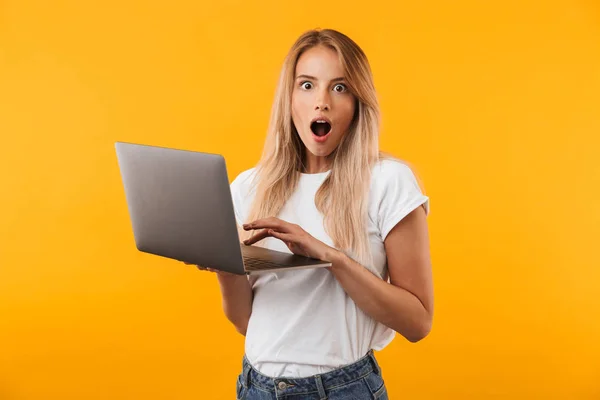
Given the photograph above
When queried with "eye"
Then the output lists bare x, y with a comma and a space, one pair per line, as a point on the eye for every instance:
340, 88
306, 85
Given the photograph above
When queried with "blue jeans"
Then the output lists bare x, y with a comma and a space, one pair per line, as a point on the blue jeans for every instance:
360, 380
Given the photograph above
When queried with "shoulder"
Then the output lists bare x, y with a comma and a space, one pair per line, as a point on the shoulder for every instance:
242, 183
241, 193
388, 172
395, 188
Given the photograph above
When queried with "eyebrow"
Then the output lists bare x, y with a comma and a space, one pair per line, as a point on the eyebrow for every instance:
315, 79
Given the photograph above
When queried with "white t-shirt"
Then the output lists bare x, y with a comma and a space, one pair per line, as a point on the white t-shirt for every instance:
303, 323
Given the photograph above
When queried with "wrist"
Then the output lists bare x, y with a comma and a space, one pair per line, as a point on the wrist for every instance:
335, 257
225, 278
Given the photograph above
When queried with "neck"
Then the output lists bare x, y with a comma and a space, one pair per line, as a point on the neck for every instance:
316, 164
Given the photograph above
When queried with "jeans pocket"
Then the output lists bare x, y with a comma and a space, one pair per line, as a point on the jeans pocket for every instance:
240, 388
376, 386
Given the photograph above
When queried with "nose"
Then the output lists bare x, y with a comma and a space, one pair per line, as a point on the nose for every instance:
322, 101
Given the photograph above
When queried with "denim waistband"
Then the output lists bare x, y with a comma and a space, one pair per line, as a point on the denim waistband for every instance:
316, 383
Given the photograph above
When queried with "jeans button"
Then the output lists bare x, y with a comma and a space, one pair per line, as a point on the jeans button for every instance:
282, 385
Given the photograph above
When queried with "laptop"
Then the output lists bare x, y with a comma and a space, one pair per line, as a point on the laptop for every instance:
180, 207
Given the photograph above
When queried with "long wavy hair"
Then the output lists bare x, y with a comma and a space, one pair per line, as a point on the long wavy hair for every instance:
343, 196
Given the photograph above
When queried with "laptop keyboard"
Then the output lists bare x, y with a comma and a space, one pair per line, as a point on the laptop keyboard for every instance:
254, 264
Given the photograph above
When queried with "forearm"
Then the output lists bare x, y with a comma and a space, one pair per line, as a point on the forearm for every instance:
236, 296
390, 305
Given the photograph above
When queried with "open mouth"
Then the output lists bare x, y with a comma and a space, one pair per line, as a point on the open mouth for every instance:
320, 128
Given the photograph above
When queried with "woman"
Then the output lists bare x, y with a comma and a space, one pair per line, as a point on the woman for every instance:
323, 189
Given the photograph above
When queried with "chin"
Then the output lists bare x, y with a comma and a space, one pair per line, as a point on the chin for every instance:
320, 152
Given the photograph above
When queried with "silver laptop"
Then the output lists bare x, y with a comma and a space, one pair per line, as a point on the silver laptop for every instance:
181, 208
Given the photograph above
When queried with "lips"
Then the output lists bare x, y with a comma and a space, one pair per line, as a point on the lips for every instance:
320, 126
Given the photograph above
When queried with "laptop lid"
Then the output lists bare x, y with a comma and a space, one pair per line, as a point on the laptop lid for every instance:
180, 205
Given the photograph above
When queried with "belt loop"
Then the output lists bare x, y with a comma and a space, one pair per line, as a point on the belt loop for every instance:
320, 388
376, 368
246, 372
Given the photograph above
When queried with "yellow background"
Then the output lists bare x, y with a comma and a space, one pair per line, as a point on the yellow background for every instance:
495, 104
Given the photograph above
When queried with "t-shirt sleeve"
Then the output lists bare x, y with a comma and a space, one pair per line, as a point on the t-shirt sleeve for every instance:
400, 195
240, 196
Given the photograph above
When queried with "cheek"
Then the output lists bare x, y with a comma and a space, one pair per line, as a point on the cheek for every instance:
298, 109
346, 111
295, 113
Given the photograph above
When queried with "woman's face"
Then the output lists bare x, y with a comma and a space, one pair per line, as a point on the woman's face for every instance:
322, 106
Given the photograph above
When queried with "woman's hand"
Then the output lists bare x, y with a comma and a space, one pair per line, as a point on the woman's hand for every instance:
219, 273
296, 239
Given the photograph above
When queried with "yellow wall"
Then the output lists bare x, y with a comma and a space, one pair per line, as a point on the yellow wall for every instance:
496, 104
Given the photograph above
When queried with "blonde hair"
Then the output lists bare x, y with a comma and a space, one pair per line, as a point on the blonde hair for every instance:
343, 196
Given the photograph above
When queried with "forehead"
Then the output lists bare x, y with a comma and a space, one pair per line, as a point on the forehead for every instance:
321, 62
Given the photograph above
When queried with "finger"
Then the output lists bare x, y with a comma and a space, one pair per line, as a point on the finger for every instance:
187, 263
260, 224
286, 237
269, 223
257, 237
